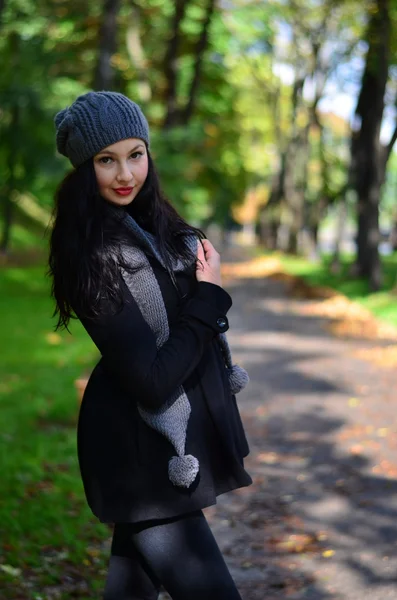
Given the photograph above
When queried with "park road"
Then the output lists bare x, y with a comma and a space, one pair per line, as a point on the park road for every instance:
320, 520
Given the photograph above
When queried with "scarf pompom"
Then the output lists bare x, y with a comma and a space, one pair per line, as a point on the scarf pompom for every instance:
238, 378
182, 470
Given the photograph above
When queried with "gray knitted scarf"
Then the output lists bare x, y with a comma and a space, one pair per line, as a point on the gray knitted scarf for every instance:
172, 418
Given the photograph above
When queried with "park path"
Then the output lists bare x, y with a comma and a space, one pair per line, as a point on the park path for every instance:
320, 520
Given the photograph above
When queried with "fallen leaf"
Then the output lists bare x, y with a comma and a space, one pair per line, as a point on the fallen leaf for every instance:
382, 432
353, 402
54, 339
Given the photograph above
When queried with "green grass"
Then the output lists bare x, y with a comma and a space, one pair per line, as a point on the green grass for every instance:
22, 238
382, 304
48, 537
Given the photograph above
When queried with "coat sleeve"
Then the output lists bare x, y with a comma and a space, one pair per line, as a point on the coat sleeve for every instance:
128, 345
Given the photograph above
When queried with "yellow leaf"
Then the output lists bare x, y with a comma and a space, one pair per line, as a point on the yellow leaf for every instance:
267, 457
328, 553
353, 402
382, 432
53, 338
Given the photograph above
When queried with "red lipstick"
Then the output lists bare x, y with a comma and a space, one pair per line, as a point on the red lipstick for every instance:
123, 191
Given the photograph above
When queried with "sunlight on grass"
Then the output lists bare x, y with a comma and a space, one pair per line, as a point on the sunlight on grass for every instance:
22, 237
43, 508
382, 304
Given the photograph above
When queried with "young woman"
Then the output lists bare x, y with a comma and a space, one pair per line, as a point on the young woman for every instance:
159, 432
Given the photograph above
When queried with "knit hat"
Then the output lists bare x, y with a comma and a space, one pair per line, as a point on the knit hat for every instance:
96, 120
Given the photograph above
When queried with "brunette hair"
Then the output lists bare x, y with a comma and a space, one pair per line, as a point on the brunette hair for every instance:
84, 259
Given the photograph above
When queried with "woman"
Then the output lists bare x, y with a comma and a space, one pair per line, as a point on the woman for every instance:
159, 432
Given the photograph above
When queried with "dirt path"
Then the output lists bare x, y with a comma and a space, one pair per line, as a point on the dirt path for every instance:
320, 520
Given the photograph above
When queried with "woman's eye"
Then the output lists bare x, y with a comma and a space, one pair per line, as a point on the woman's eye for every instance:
107, 160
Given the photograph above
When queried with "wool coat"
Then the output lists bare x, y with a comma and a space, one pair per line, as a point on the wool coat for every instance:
123, 462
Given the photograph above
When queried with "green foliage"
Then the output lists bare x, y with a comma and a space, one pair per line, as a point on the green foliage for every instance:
200, 170
49, 51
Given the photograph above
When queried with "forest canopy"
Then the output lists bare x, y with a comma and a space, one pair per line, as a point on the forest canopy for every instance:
277, 114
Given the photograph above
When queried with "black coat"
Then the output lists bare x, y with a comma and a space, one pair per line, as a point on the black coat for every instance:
123, 462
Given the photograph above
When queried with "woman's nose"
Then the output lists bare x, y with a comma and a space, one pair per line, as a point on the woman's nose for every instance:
124, 174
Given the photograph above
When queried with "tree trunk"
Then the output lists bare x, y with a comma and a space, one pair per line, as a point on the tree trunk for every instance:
137, 55
368, 155
11, 153
8, 207
312, 226
170, 66
201, 47
2, 7
393, 237
268, 224
340, 232
7, 222
284, 190
368, 235
104, 72
296, 187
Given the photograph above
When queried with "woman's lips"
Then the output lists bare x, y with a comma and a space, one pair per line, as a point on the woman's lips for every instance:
123, 191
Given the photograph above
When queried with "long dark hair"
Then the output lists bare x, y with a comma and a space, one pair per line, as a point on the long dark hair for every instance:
85, 257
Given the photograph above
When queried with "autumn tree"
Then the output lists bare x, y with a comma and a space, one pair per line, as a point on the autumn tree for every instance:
315, 49
369, 155
107, 45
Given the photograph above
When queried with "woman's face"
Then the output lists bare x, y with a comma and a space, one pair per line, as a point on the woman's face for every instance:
121, 170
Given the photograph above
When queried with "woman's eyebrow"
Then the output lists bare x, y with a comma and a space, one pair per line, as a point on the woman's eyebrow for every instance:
110, 152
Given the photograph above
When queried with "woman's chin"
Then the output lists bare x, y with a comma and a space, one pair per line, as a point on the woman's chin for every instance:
121, 201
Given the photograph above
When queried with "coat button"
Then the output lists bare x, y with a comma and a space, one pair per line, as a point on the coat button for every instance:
221, 322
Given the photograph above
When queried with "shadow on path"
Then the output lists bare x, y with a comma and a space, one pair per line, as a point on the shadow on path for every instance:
320, 520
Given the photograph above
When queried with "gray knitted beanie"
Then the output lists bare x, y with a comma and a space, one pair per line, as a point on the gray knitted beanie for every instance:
96, 120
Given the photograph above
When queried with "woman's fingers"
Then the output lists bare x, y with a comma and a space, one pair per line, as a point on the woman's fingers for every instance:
211, 255
209, 268
209, 250
207, 244
199, 249
200, 254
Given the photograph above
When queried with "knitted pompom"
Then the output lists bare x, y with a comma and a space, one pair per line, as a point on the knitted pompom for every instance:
182, 470
238, 378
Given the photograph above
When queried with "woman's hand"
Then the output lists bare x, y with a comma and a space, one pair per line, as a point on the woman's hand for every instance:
209, 269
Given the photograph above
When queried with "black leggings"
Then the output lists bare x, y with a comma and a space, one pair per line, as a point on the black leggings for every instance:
179, 553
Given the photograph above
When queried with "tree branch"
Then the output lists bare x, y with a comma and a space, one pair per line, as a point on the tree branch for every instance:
137, 55
170, 60
390, 145
104, 72
2, 7
201, 47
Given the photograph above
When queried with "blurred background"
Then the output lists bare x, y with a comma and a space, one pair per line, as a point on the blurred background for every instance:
272, 126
